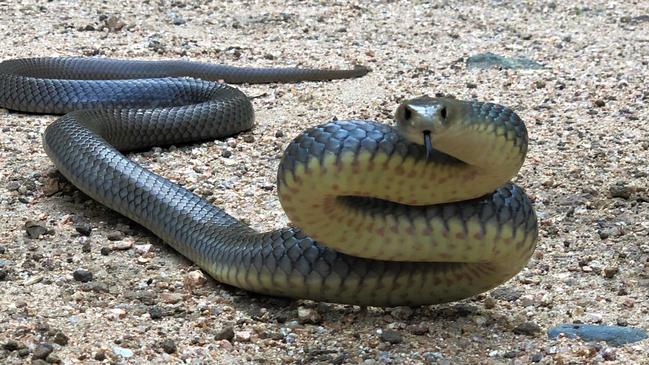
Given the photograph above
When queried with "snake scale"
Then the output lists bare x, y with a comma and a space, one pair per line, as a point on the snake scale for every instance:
420, 214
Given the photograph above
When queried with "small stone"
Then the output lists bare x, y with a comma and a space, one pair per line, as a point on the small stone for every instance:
41, 351
242, 336
115, 235
60, 338
35, 229
506, 293
23, 352
142, 249
195, 279
610, 271
83, 276
401, 313
117, 313
105, 251
39, 362
527, 328
123, 352
471, 85
418, 329
11, 345
2, 249
86, 246
539, 84
536, 357
620, 190
599, 103
100, 355
226, 153
391, 336
53, 359
608, 354
308, 315
171, 298
279, 133
168, 346
84, 229
249, 138
225, 333
156, 312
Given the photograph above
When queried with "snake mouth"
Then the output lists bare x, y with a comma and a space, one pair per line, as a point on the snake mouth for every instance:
428, 144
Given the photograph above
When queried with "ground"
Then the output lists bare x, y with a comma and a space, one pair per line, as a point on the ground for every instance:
586, 172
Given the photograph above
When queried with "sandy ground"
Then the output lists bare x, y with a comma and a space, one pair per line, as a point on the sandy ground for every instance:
587, 172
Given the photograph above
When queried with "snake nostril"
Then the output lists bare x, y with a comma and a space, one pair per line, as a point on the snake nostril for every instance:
407, 113
442, 113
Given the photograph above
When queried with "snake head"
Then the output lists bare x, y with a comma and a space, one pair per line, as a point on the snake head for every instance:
421, 120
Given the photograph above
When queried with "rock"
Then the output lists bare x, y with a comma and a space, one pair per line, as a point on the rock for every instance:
81, 275
23, 352
11, 345
168, 346
536, 357
613, 335
60, 338
2, 249
142, 249
599, 103
242, 336
35, 229
115, 235
105, 251
506, 293
194, 279
171, 298
53, 359
226, 153
491, 60
391, 336
123, 352
84, 229
279, 133
401, 313
100, 355
39, 362
418, 329
155, 312
620, 190
308, 315
225, 333
527, 328
122, 245
249, 138
608, 354
41, 351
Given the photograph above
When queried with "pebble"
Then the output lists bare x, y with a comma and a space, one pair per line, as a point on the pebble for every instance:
123, 352
171, 298
401, 313
194, 279
506, 293
527, 328
100, 355
41, 351
226, 153
156, 312
613, 335
35, 229
105, 251
142, 249
308, 315
115, 235
242, 336
84, 229
620, 190
391, 336
83, 276
225, 333
60, 339
279, 133
168, 346
2, 249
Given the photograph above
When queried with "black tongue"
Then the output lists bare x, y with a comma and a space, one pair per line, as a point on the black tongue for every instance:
428, 145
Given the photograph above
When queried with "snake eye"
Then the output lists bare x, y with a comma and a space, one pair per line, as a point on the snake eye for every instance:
442, 113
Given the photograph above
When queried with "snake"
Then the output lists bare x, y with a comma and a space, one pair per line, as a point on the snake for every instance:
419, 213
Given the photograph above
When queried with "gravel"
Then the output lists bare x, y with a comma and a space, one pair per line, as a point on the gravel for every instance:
586, 111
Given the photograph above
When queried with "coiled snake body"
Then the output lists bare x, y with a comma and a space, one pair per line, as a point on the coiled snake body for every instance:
401, 223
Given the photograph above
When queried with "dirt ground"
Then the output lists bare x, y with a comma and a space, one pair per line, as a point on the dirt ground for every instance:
586, 112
